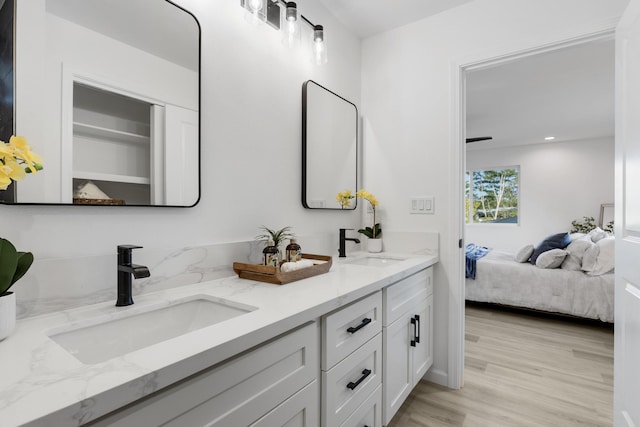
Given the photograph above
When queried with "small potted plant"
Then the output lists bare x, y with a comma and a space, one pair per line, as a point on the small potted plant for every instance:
278, 236
374, 233
13, 265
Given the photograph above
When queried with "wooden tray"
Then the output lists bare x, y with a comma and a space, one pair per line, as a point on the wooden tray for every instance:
270, 274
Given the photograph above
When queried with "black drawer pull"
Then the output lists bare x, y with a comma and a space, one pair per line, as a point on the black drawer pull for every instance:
364, 323
417, 317
365, 374
415, 332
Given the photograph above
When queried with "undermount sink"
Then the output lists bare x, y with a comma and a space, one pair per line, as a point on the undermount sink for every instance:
116, 337
375, 261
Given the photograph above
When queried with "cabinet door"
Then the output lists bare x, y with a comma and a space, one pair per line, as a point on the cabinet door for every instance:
397, 373
300, 410
422, 353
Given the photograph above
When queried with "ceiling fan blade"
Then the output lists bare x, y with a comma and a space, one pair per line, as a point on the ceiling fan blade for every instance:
480, 138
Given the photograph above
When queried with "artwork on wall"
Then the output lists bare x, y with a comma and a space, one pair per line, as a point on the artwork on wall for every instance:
6, 82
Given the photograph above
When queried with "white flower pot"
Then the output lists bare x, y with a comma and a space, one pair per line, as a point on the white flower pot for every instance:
7, 314
374, 245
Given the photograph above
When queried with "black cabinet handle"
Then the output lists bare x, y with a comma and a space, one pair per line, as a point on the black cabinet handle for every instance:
365, 374
417, 317
415, 331
355, 329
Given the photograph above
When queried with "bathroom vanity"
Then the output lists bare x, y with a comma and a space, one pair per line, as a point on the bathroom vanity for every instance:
340, 349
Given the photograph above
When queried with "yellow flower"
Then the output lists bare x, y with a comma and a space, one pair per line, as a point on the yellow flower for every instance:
16, 160
363, 194
6, 151
374, 231
344, 198
10, 169
22, 151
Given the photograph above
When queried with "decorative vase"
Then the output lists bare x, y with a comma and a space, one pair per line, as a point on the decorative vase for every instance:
7, 314
374, 245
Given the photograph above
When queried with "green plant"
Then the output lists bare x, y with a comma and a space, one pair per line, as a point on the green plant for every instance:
585, 225
13, 265
278, 236
609, 227
374, 232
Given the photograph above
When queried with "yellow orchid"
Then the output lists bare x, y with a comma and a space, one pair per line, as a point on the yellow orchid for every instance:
375, 231
22, 151
344, 198
16, 160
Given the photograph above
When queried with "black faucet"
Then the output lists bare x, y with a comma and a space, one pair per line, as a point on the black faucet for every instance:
342, 250
125, 270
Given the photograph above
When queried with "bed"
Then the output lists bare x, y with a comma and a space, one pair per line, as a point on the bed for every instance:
500, 279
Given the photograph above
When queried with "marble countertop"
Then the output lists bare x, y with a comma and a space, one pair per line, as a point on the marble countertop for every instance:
43, 385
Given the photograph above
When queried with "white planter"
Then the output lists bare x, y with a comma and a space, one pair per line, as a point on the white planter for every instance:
374, 245
7, 314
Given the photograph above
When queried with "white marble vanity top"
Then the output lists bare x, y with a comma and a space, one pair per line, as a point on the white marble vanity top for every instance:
43, 385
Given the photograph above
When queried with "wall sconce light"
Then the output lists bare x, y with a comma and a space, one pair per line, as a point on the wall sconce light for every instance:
319, 46
287, 19
290, 25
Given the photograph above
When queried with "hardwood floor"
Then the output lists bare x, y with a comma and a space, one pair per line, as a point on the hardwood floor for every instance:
522, 370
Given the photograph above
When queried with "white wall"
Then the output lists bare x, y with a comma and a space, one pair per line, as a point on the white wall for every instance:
559, 182
407, 95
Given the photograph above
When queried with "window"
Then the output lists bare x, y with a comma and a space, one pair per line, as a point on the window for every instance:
492, 195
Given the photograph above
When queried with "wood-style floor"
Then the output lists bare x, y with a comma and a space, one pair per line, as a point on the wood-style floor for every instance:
522, 370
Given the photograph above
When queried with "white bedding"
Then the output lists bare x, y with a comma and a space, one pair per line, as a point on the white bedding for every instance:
501, 280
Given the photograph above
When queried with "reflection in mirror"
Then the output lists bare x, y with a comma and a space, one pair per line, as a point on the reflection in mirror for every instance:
329, 147
107, 92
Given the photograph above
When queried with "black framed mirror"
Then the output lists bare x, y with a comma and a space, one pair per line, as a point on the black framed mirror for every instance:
329, 147
107, 92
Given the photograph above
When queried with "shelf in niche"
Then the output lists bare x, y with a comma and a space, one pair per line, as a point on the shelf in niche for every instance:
96, 176
111, 134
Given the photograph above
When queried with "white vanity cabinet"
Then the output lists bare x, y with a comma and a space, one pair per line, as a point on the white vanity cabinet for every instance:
352, 364
407, 338
274, 384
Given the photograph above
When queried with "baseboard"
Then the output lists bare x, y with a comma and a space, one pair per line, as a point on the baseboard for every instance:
437, 376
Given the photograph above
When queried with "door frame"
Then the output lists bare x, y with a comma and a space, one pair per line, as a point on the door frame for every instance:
457, 154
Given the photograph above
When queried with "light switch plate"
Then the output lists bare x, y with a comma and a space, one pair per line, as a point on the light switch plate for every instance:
422, 205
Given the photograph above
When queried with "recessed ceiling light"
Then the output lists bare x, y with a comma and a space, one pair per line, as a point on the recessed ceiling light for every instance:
550, 138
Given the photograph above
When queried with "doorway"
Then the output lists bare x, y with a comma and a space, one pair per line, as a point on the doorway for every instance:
461, 70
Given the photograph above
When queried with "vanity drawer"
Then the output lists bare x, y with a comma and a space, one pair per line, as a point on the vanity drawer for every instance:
300, 410
368, 414
348, 384
348, 328
234, 393
402, 294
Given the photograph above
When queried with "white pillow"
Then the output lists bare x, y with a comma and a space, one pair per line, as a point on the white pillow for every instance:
551, 259
605, 262
575, 253
524, 253
575, 236
590, 257
597, 234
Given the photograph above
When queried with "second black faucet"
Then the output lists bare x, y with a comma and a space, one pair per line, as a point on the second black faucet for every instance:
342, 250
